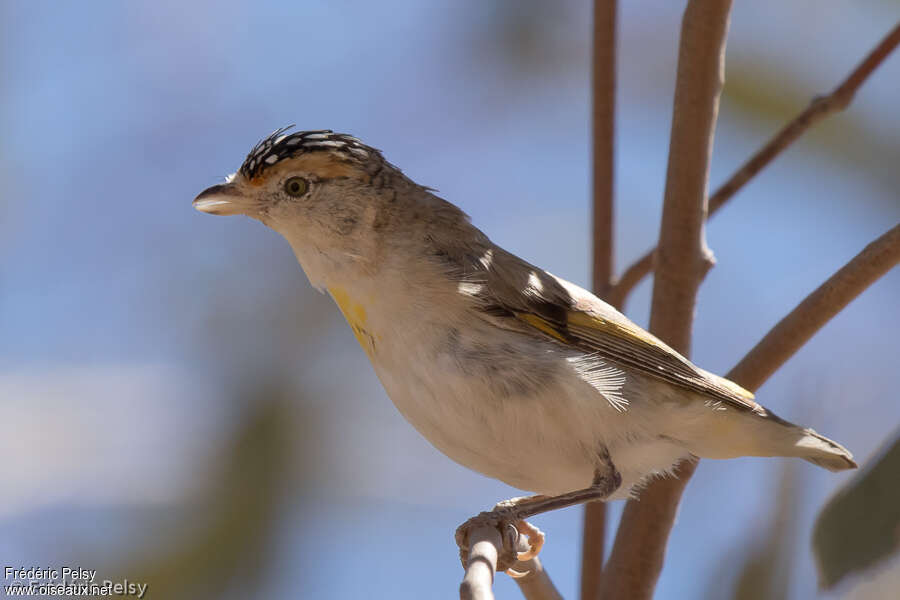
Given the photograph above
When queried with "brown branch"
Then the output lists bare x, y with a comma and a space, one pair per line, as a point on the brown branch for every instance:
484, 546
793, 331
630, 278
535, 584
481, 564
632, 570
659, 502
820, 108
603, 163
593, 546
682, 261
682, 257
603, 136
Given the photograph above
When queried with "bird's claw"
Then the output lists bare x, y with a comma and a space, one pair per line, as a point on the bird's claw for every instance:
536, 539
504, 519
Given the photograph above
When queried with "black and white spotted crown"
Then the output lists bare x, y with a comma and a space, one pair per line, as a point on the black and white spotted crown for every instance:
280, 145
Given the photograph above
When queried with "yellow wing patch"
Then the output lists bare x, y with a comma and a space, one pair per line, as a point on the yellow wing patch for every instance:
618, 340
541, 324
730, 385
622, 330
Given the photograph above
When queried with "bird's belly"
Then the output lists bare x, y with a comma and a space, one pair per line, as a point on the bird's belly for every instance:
504, 425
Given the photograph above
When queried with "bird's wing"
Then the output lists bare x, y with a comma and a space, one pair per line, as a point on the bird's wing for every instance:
511, 292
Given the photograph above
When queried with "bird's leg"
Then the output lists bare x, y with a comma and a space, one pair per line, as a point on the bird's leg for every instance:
509, 516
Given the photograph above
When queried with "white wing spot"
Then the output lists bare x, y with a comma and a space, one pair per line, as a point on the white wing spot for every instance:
486, 259
534, 283
469, 289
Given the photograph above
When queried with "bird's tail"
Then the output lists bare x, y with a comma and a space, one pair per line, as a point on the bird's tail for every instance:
766, 434
819, 450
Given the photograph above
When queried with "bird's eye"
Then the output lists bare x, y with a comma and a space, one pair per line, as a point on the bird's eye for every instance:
296, 186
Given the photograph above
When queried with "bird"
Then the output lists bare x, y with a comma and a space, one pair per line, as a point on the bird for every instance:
503, 367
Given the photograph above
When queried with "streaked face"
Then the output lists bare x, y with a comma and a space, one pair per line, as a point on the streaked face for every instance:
312, 187
284, 167
292, 181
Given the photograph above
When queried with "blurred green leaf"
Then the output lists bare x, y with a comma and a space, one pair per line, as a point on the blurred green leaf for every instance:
860, 526
228, 536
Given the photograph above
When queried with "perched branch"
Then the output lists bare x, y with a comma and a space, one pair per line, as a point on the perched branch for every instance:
650, 520
820, 108
603, 163
682, 261
482, 555
484, 543
793, 331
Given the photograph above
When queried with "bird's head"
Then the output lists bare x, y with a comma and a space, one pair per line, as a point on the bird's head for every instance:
327, 193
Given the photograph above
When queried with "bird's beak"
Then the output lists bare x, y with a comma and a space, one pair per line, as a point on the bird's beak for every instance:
223, 199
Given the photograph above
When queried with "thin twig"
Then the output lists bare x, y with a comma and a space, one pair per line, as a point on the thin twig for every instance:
535, 584
484, 543
632, 276
682, 261
593, 546
793, 331
603, 139
603, 163
820, 108
659, 502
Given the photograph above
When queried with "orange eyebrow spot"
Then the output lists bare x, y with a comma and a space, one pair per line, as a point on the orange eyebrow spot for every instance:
324, 165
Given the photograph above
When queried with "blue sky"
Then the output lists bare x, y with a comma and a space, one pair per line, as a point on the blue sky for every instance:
125, 315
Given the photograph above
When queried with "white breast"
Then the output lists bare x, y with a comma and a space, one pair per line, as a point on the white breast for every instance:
507, 405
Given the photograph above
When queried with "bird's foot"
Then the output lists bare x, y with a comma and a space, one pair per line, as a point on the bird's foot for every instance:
505, 520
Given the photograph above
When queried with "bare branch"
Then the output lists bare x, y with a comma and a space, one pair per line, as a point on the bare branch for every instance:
603, 138
820, 108
535, 584
682, 256
484, 542
640, 542
593, 545
485, 546
603, 157
793, 331
682, 261
644, 520
630, 278
631, 567
651, 519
